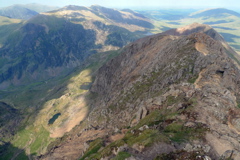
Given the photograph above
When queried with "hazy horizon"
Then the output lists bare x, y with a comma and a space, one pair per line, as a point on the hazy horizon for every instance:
134, 4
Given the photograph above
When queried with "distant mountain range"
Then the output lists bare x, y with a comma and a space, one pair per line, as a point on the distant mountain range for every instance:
25, 11
225, 21
17, 12
39, 7
215, 13
53, 43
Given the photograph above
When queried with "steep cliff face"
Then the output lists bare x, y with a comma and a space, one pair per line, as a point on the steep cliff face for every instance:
164, 97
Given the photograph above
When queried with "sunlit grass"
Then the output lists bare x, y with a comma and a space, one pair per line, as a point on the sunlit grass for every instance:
7, 21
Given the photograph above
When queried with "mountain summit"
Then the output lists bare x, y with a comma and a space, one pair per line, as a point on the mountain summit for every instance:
194, 28
206, 29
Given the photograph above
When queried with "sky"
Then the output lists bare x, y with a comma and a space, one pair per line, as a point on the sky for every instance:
230, 4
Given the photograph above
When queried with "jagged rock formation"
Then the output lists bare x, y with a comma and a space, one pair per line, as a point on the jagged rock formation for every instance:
164, 97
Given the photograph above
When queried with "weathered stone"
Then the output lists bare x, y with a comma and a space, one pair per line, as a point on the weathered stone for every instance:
120, 149
190, 124
229, 154
144, 113
188, 147
131, 158
139, 114
206, 148
143, 128
86, 146
138, 147
206, 158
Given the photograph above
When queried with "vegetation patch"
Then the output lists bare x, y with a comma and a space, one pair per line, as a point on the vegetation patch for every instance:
7, 151
145, 138
122, 156
107, 151
93, 148
22, 156
180, 155
177, 132
151, 119
193, 79
40, 141
21, 138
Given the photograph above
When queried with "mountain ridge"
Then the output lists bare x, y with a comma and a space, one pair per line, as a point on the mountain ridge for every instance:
39, 7
215, 12
196, 27
206, 63
17, 12
162, 96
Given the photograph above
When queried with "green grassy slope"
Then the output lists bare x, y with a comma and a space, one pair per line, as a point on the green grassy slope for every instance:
39, 102
7, 26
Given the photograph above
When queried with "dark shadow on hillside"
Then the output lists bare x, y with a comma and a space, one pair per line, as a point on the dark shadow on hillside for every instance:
38, 95
236, 47
117, 17
175, 23
86, 86
118, 36
6, 30
57, 39
93, 63
61, 42
217, 22
8, 152
10, 118
225, 28
229, 37
164, 28
47, 42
